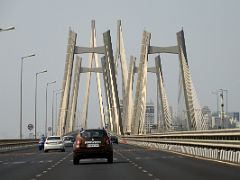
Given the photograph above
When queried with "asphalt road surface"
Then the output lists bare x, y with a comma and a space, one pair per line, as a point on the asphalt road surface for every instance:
130, 163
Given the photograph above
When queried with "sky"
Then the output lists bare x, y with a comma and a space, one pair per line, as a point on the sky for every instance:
211, 35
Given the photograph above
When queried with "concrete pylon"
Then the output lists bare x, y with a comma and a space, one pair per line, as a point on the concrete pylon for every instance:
141, 90
110, 67
121, 56
92, 56
166, 114
186, 82
108, 94
128, 108
71, 119
66, 83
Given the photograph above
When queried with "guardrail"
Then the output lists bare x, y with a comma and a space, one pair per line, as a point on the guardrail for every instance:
221, 145
16, 144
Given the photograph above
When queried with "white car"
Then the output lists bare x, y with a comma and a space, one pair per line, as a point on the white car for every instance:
54, 143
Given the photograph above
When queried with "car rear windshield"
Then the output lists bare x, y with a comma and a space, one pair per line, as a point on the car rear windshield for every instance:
54, 138
93, 133
68, 138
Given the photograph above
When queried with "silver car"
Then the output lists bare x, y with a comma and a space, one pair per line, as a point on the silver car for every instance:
54, 143
68, 141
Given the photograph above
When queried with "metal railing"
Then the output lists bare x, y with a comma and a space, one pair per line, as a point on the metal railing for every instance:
16, 144
221, 145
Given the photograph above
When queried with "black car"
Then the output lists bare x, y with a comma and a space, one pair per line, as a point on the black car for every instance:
92, 143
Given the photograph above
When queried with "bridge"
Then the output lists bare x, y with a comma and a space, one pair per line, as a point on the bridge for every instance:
130, 119
193, 152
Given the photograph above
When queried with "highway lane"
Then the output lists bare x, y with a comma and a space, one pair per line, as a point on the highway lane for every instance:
27, 164
130, 162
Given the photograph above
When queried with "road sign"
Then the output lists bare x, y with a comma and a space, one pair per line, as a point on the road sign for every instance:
30, 127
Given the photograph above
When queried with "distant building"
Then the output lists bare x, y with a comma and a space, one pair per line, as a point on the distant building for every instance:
207, 116
149, 116
234, 115
216, 122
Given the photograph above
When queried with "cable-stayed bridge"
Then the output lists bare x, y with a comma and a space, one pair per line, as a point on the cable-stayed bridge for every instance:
131, 118
195, 153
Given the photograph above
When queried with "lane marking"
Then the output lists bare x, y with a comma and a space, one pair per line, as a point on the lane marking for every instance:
19, 162
50, 168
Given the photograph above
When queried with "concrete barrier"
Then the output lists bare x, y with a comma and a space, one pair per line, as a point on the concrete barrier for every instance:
210, 153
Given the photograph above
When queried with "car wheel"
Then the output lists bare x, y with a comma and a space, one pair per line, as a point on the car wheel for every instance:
110, 159
63, 150
45, 151
75, 160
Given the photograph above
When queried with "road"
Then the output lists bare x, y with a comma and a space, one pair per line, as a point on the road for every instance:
130, 163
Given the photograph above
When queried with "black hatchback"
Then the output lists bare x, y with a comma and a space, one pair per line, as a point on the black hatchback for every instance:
92, 143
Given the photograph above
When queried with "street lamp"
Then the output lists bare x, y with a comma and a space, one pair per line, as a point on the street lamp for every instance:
7, 29
21, 81
44, 71
224, 125
46, 106
57, 92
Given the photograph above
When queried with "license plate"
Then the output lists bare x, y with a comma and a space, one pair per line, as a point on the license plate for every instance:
92, 145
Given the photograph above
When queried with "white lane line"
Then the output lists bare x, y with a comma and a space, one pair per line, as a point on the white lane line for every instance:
141, 168
38, 175
44, 172
19, 162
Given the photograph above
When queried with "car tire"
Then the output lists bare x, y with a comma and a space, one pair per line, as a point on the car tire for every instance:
63, 150
110, 159
75, 160
45, 151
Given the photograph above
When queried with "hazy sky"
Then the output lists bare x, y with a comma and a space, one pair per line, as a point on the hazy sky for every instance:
212, 40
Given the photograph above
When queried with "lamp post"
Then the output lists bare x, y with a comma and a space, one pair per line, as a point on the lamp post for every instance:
21, 81
46, 122
57, 92
7, 29
224, 124
35, 122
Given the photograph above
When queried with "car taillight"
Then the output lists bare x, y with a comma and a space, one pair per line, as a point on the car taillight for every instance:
107, 140
78, 142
